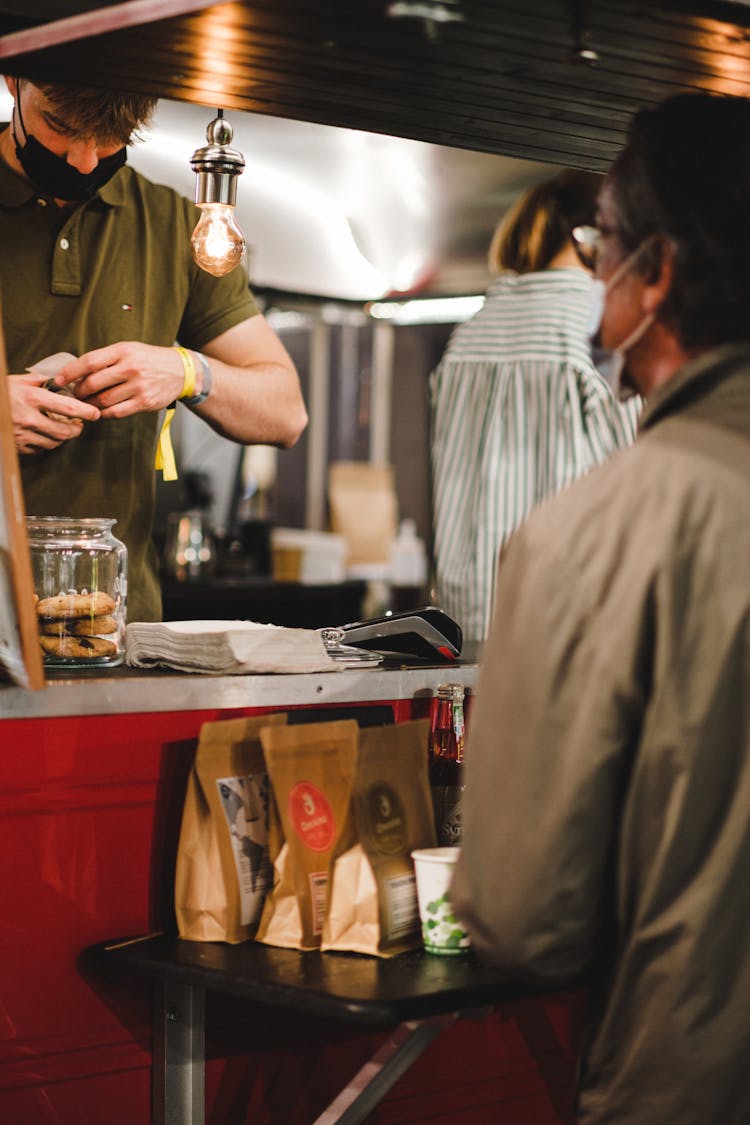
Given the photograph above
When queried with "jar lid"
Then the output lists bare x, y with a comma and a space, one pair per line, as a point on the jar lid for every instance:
70, 522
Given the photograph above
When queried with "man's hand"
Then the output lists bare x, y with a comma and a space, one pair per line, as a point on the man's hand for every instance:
255, 394
42, 419
125, 378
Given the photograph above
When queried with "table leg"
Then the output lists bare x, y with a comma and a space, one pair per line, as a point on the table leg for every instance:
178, 1092
373, 1081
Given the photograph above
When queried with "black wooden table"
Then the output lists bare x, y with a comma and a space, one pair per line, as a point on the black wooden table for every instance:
417, 995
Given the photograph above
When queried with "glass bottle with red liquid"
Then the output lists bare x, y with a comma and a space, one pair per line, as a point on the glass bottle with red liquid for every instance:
446, 755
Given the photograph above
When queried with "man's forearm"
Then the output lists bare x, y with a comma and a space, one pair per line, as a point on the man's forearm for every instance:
259, 404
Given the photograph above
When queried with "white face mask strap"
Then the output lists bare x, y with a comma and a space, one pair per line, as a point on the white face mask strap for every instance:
626, 263
638, 333
643, 325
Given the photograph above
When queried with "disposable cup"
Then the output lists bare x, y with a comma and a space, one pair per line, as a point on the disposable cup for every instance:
441, 931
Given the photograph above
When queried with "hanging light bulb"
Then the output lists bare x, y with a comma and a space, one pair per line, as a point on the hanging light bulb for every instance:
218, 242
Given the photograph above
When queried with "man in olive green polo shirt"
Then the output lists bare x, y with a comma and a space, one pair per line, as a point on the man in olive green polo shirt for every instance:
97, 262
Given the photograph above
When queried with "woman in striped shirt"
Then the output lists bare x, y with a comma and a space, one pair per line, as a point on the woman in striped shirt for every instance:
519, 410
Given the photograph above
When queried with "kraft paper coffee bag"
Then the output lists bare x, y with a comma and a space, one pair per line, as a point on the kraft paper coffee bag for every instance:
311, 768
373, 901
223, 870
364, 509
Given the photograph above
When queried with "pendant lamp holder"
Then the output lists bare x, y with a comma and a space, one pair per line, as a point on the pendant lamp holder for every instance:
216, 165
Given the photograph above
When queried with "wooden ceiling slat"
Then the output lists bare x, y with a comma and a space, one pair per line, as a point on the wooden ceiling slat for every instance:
247, 58
537, 24
483, 61
500, 82
509, 45
546, 69
460, 98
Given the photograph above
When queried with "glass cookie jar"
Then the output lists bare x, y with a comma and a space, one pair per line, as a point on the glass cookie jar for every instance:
80, 590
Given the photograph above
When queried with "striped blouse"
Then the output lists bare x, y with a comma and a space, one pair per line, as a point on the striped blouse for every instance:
519, 412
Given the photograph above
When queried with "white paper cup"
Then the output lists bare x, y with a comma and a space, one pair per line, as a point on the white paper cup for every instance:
441, 931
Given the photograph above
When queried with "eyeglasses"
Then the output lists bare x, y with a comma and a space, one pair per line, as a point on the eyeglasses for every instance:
587, 242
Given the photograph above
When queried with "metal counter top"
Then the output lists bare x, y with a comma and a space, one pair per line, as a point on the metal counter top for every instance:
123, 691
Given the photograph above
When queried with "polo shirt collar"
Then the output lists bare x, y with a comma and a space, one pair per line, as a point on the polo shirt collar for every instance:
15, 190
113, 193
693, 379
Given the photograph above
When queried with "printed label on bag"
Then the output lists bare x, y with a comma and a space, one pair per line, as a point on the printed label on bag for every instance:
245, 804
318, 899
403, 909
311, 816
386, 819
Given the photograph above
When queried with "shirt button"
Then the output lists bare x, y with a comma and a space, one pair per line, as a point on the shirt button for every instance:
64, 244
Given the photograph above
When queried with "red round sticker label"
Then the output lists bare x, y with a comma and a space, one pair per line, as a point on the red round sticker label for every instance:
311, 816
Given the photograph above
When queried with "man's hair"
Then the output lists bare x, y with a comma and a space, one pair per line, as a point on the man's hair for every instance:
685, 174
538, 225
107, 116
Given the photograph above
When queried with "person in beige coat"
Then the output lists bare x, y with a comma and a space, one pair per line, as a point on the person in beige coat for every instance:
607, 810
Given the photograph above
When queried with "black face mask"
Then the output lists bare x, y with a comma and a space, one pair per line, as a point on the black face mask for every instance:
54, 176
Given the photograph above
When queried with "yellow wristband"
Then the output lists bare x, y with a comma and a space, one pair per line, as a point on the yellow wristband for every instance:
188, 385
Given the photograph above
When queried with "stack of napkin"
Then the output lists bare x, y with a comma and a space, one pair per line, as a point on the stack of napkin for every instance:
225, 647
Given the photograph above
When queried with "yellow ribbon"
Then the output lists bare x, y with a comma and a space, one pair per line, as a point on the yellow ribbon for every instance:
165, 459
164, 451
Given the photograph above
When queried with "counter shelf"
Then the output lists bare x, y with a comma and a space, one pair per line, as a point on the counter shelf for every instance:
419, 995
124, 690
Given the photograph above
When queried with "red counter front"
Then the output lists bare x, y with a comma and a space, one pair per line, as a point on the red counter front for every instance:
91, 806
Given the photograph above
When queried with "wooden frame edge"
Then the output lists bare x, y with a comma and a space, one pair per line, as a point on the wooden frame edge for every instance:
20, 560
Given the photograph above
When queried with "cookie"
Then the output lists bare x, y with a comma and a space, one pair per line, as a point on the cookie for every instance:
78, 626
78, 648
63, 606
